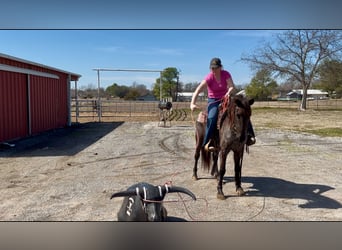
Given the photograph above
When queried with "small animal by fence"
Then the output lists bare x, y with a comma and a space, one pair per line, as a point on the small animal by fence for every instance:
165, 112
144, 201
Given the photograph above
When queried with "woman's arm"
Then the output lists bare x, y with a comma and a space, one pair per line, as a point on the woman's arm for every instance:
198, 90
231, 87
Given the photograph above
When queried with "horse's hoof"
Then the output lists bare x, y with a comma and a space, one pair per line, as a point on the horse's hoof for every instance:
214, 174
194, 177
240, 192
220, 197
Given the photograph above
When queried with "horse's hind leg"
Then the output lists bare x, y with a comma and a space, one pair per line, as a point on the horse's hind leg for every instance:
194, 170
200, 128
237, 168
222, 171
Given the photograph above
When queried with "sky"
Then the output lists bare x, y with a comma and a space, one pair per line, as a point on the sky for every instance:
78, 36
82, 51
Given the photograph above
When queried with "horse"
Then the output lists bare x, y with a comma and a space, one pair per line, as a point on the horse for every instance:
231, 135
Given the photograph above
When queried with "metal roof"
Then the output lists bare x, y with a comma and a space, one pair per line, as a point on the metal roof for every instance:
310, 92
39, 65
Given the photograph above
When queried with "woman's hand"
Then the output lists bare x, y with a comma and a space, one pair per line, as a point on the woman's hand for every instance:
193, 106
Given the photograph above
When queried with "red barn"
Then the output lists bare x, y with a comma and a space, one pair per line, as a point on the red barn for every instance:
33, 98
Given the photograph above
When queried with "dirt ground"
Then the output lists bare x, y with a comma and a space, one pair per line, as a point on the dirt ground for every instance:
69, 174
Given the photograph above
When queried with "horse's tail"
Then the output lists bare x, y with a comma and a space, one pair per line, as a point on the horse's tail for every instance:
200, 131
205, 159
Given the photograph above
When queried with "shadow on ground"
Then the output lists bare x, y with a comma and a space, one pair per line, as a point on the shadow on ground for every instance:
175, 219
60, 142
279, 188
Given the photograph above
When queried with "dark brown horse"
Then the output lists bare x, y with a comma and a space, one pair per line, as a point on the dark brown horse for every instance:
232, 136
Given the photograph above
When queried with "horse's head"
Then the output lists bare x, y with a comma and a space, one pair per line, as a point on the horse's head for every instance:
239, 107
239, 111
242, 106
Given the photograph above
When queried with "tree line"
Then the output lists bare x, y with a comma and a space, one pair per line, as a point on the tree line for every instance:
301, 56
170, 83
292, 59
329, 78
261, 87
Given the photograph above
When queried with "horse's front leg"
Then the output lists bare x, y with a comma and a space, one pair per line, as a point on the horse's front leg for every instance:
222, 171
237, 168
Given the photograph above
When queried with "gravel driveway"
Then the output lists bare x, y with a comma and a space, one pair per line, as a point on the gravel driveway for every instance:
69, 175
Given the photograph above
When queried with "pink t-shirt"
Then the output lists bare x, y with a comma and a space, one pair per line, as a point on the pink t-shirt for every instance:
217, 89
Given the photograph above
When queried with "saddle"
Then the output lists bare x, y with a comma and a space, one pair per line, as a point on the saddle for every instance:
202, 117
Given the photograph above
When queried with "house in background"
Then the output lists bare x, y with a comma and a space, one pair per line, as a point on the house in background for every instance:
147, 97
297, 94
293, 96
312, 94
33, 98
187, 96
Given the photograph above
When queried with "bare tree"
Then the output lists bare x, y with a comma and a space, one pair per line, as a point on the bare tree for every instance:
297, 54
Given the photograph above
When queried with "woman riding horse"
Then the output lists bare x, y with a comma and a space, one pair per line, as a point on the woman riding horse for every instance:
219, 84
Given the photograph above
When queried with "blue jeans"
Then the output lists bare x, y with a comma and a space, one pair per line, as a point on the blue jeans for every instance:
213, 110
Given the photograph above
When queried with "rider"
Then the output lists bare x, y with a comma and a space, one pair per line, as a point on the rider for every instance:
219, 84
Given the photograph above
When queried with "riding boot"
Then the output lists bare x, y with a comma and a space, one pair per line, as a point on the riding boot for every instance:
250, 135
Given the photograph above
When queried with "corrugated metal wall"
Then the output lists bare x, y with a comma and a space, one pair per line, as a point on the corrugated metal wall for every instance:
48, 103
13, 105
23, 114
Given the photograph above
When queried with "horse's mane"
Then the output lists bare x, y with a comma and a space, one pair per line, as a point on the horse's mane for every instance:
231, 111
228, 108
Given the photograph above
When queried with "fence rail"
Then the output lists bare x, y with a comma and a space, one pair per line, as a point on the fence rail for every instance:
310, 104
85, 108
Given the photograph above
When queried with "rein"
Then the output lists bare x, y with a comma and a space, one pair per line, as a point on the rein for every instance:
183, 201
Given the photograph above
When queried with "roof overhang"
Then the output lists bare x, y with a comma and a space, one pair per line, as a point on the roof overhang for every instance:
73, 76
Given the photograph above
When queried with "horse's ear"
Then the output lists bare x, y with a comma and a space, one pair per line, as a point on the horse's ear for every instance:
251, 101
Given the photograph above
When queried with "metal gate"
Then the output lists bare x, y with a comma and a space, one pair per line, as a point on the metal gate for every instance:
93, 109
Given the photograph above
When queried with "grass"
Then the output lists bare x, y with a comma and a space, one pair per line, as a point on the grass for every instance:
326, 123
320, 122
334, 132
